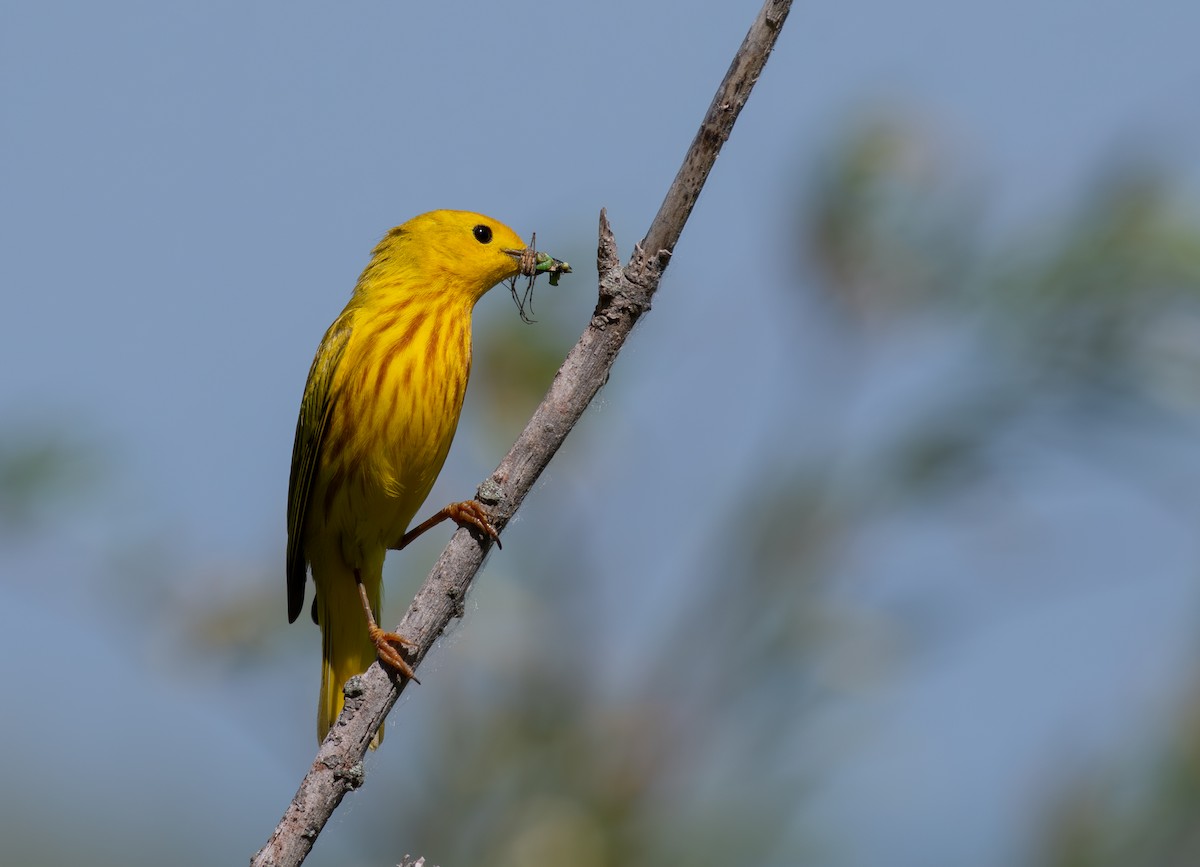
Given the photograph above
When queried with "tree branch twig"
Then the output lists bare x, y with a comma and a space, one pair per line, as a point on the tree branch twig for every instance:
624, 295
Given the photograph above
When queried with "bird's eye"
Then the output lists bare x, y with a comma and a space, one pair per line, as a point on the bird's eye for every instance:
483, 234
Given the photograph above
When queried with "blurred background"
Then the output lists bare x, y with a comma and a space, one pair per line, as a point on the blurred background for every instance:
877, 549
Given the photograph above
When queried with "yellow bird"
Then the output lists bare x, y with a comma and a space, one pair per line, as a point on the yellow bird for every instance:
378, 415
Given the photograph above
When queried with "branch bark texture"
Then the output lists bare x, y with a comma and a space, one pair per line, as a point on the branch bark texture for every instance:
624, 295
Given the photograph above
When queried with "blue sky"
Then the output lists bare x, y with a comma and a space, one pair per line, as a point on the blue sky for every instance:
190, 190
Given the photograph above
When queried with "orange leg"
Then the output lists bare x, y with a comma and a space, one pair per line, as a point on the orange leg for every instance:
385, 642
468, 513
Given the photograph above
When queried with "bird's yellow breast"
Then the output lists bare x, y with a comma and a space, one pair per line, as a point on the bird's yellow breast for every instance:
397, 395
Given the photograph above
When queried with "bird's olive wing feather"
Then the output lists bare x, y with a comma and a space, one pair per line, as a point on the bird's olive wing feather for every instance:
306, 453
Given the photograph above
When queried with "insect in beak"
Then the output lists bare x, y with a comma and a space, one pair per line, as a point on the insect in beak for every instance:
530, 264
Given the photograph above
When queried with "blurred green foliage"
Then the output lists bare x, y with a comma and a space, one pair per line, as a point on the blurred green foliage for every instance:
1094, 315
42, 468
1130, 814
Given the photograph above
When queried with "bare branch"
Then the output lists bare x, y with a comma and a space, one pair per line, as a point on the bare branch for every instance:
714, 131
624, 295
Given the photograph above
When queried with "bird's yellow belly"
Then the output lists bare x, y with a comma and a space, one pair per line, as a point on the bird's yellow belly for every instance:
394, 451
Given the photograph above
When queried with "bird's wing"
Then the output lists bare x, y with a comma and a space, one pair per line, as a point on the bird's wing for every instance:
315, 410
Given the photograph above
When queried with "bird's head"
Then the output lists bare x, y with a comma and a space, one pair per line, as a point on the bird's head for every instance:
457, 252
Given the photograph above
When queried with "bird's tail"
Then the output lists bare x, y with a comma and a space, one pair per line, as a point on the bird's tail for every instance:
345, 648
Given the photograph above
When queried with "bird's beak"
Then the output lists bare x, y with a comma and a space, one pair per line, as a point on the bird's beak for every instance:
526, 261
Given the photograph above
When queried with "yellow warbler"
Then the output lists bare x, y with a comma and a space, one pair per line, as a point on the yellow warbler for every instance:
378, 414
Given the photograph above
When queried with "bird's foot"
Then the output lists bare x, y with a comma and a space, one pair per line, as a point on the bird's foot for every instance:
386, 646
